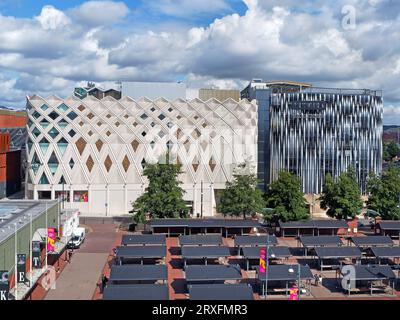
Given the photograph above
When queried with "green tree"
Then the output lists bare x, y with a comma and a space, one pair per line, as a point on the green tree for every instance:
286, 199
342, 198
390, 150
163, 197
241, 196
384, 193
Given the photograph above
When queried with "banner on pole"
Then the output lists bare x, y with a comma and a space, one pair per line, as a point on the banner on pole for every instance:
294, 293
4, 285
21, 268
263, 256
51, 239
36, 263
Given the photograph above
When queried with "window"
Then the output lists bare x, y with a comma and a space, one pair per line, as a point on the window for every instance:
72, 133
54, 115
43, 179
62, 107
62, 145
44, 145
44, 107
81, 196
144, 116
53, 163
36, 132
72, 115
44, 123
53, 133
36, 115
63, 124
161, 117
60, 195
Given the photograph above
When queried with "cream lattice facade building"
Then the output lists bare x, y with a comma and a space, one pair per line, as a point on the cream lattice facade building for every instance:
93, 151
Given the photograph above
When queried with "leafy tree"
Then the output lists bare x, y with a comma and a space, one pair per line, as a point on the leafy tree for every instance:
384, 193
164, 196
343, 197
241, 196
286, 199
390, 150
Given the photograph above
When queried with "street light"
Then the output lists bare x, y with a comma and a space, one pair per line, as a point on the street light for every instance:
291, 270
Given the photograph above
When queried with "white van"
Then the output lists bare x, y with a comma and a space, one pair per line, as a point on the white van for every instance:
78, 237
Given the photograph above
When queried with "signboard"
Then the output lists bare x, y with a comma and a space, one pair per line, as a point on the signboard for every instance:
294, 293
36, 263
4, 285
263, 266
21, 267
51, 239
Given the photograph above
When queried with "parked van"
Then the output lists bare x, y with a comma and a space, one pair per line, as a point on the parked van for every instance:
78, 238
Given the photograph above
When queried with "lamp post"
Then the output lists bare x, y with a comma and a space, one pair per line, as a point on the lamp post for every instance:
291, 270
267, 266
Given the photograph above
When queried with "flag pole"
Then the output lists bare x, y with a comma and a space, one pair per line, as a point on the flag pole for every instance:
267, 266
16, 262
47, 236
30, 251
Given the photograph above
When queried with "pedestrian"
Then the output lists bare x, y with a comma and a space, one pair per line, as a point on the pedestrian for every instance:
320, 279
104, 281
316, 279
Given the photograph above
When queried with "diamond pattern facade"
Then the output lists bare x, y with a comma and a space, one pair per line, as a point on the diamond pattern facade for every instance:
103, 146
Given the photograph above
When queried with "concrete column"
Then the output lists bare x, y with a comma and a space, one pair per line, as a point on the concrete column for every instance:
212, 199
71, 195
126, 198
53, 192
35, 193
195, 211
107, 201
90, 198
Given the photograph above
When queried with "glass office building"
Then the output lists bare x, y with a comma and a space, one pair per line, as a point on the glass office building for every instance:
318, 131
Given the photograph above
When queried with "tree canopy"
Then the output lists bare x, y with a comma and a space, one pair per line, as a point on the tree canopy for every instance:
390, 150
286, 199
163, 198
241, 196
342, 198
384, 193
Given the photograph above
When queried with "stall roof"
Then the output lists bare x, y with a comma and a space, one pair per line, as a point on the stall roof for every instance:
248, 241
314, 224
254, 252
213, 273
200, 240
136, 292
393, 225
205, 252
320, 241
304, 224
143, 239
280, 272
338, 252
204, 223
370, 241
369, 272
138, 273
239, 291
141, 252
386, 252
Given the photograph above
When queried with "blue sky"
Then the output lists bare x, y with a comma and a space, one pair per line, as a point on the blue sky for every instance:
49, 47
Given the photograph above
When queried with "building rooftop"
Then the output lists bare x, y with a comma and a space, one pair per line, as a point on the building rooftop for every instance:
20, 212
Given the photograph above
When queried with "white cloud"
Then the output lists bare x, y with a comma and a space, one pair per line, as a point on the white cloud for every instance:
51, 18
183, 8
272, 40
99, 13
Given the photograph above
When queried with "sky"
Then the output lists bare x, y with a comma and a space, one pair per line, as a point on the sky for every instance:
49, 47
